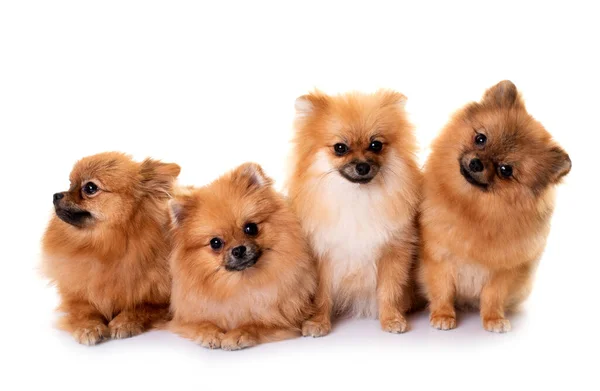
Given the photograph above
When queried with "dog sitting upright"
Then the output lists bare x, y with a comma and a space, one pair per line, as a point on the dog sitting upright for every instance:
355, 187
107, 245
488, 198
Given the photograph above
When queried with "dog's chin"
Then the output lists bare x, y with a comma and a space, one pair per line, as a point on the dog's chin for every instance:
359, 180
76, 217
465, 173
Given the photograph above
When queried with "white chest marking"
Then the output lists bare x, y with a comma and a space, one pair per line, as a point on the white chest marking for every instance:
470, 279
349, 236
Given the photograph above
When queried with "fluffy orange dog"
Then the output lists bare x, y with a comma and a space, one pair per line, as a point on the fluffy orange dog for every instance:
107, 246
488, 200
355, 185
242, 274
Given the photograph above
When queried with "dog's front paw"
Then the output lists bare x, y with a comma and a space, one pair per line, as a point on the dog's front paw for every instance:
238, 339
442, 322
314, 328
497, 325
210, 339
395, 325
124, 329
92, 334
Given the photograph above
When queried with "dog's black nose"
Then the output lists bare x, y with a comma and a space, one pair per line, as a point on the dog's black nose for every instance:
239, 251
476, 165
363, 168
57, 197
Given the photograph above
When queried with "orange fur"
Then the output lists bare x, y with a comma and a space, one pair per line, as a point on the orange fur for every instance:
362, 229
481, 242
234, 309
111, 265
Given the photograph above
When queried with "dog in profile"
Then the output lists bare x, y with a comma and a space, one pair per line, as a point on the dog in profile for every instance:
355, 185
106, 247
488, 199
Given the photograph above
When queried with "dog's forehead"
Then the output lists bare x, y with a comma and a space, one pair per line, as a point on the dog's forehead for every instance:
363, 125
215, 207
356, 132
230, 210
91, 167
214, 220
80, 173
515, 136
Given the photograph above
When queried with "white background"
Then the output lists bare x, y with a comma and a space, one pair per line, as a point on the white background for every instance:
210, 86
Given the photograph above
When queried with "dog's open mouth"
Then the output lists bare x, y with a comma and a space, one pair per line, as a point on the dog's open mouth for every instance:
465, 173
75, 217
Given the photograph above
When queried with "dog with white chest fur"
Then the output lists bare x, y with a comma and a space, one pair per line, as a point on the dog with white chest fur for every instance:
355, 185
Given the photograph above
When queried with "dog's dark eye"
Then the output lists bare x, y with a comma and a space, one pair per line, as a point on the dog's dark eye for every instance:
376, 146
90, 188
505, 170
340, 149
216, 243
480, 139
251, 229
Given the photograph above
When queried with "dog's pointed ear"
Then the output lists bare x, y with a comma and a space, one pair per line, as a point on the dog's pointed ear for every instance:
180, 205
309, 104
503, 94
392, 98
158, 178
560, 164
252, 176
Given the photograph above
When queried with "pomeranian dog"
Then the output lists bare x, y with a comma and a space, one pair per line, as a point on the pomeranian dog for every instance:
106, 248
355, 185
242, 273
488, 199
